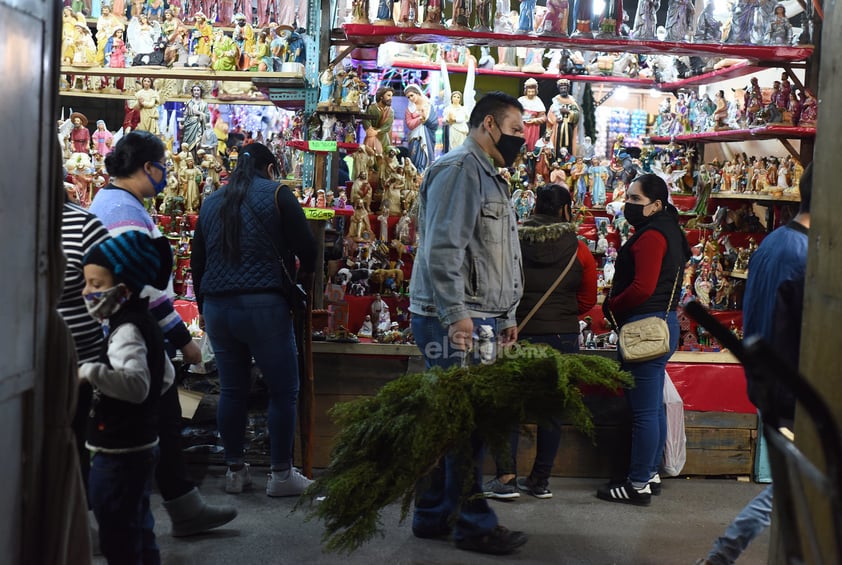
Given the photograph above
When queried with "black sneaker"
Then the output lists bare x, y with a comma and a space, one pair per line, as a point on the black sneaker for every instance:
655, 484
495, 488
539, 488
500, 541
626, 493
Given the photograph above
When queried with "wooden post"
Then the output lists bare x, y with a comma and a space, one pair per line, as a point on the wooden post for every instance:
823, 289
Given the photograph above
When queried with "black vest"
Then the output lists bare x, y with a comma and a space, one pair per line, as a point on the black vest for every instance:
677, 255
117, 424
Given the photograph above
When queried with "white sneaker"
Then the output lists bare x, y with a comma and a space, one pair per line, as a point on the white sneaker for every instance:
236, 481
287, 483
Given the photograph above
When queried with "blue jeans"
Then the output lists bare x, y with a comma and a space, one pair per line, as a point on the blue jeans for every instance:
255, 325
749, 523
548, 436
649, 416
438, 494
118, 490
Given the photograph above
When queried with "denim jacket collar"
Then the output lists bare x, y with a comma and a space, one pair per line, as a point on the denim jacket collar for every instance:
484, 158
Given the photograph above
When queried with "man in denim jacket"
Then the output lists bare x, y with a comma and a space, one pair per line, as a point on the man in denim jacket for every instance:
467, 273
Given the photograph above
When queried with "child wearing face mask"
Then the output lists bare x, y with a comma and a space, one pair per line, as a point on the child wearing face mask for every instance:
132, 372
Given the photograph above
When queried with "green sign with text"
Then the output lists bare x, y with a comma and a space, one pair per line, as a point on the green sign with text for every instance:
319, 213
318, 145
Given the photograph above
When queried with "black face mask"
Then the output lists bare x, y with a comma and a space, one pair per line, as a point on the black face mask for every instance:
508, 146
634, 214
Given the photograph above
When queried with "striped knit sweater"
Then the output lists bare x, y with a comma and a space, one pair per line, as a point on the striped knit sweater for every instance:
80, 231
120, 211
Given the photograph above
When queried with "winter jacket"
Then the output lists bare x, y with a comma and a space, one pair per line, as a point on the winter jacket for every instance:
547, 246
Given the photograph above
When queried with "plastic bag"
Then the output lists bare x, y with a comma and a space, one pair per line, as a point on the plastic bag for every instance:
675, 450
207, 364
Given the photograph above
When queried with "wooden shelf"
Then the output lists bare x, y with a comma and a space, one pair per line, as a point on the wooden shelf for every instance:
715, 357
753, 196
371, 35
130, 96
188, 73
762, 132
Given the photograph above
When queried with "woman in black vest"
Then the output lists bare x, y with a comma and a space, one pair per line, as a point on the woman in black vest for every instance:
243, 261
645, 280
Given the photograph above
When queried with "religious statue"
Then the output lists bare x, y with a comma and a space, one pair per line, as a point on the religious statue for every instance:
708, 28
526, 22
483, 16
645, 20
780, 30
408, 13
679, 23
809, 110
360, 227
102, 138
379, 120
534, 113
196, 119
563, 117
422, 122
359, 12
555, 19
456, 122
750, 21
461, 14
583, 9
189, 178
80, 136
148, 99
433, 14
361, 190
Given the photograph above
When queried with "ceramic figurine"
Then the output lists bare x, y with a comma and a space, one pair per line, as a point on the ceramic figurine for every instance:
501, 17
610, 19
526, 21
483, 16
563, 117
750, 21
367, 329
780, 30
359, 12
486, 61
408, 13
708, 28
148, 100
461, 14
583, 10
384, 13
422, 122
534, 113
809, 110
433, 14
645, 20
456, 121
555, 19
679, 23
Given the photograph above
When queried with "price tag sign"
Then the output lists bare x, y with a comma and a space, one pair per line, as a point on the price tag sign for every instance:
319, 213
318, 145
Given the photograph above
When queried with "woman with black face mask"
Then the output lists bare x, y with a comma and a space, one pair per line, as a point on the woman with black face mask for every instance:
645, 281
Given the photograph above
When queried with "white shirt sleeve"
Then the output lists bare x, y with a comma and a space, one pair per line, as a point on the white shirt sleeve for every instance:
129, 377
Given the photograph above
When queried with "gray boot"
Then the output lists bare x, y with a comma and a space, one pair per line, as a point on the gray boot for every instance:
191, 515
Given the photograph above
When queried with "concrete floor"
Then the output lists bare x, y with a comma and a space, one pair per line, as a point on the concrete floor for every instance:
573, 527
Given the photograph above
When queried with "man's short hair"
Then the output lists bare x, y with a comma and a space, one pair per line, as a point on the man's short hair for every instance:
494, 103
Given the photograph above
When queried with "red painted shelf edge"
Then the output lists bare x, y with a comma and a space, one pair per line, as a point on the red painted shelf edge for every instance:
361, 34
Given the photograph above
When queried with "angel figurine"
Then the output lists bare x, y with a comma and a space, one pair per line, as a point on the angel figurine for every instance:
523, 201
142, 35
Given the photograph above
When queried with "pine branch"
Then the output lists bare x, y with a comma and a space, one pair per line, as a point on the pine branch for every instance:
390, 441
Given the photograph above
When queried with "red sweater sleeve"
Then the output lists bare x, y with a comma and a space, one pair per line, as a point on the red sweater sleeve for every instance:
586, 295
648, 253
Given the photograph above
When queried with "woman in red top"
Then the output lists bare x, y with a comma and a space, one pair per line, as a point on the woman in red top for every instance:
647, 270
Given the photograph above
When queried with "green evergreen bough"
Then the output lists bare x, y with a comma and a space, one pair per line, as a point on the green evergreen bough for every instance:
392, 440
